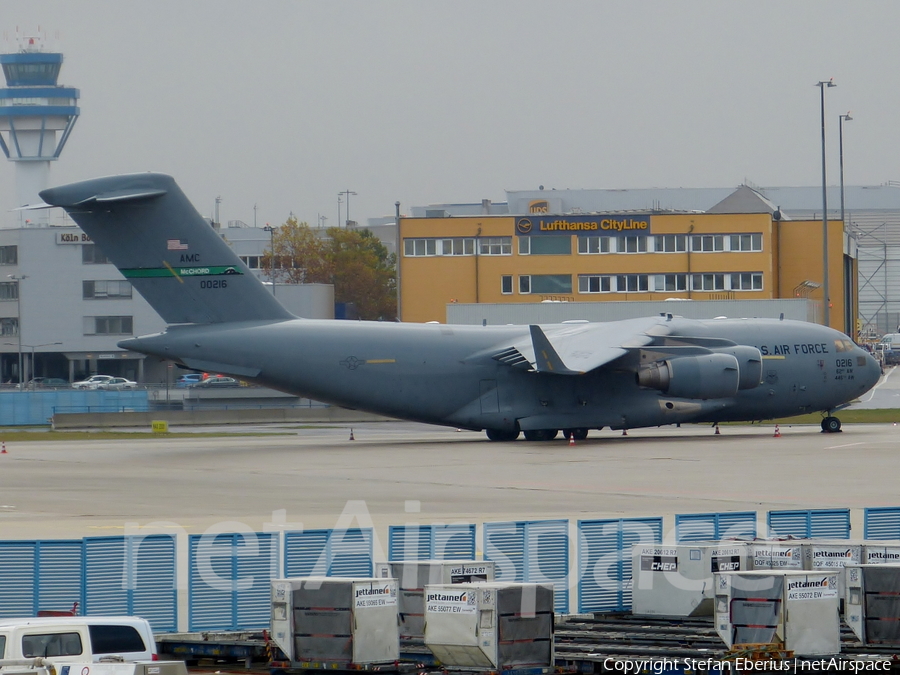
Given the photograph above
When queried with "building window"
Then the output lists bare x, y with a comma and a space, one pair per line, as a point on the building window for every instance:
457, 246
495, 246
708, 282
546, 284
102, 289
632, 244
92, 255
632, 283
108, 325
9, 327
591, 245
9, 290
252, 261
548, 245
670, 282
706, 243
745, 242
594, 283
9, 255
416, 248
506, 284
747, 281
670, 243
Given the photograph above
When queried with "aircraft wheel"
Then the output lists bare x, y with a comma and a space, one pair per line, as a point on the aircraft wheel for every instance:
577, 434
501, 434
831, 425
541, 434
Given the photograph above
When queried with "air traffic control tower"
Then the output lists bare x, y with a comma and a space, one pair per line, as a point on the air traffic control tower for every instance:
36, 117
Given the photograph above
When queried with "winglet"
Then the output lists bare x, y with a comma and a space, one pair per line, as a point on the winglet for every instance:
545, 356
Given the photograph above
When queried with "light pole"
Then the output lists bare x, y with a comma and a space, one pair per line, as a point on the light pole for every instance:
347, 192
397, 249
19, 279
841, 120
271, 230
825, 291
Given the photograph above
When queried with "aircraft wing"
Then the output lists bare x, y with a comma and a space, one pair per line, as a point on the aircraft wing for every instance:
575, 348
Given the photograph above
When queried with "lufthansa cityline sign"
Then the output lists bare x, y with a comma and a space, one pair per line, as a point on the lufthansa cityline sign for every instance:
609, 225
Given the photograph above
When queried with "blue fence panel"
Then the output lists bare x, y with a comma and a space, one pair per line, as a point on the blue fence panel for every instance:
821, 523
212, 571
105, 580
431, 542
531, 552
132, 575
253, 580
604, 560
882, 523
154, 594
60, 574
714, 526
453, 542
504, 543
350, 553
18, 578
20, 408
333, 553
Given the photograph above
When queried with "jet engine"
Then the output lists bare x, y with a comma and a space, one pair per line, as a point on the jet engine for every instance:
705, 376
750, 363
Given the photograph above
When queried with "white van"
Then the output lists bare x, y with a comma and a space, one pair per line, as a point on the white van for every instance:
77, 638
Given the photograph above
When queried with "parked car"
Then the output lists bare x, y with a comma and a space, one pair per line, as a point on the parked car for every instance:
77, 639
45, 383
188, 379
217, 381
117, 384
91, 382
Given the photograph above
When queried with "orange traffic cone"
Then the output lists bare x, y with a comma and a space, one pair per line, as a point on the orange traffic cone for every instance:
777, 432
718, 433
571, 439
624, 432
3, 451
351, 435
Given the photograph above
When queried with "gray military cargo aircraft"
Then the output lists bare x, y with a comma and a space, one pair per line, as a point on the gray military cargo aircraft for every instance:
538, 380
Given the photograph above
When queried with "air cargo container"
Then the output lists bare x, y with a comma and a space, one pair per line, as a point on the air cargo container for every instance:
490, 626
333, 622
872, 603
797, 610
677, 580
412, 577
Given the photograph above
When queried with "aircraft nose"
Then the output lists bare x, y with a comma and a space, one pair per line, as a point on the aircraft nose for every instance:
871, 373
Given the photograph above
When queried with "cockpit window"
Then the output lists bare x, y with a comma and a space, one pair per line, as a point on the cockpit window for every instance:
844, 345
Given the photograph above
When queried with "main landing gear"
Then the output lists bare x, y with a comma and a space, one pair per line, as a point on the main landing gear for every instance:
537, 434
831, 425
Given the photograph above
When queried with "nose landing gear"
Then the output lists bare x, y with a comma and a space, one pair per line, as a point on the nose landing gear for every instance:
831, 425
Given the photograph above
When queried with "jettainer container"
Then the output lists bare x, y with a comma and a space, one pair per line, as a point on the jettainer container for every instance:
412, 577
872, 603
333, 622
490, 626
677, 580
796, 609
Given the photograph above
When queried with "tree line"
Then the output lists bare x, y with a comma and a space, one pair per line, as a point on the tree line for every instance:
354, 261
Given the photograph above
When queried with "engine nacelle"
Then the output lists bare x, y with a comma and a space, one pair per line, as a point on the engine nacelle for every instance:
706, 376
749, 362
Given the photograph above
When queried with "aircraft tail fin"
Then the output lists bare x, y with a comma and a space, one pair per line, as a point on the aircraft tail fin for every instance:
146, 227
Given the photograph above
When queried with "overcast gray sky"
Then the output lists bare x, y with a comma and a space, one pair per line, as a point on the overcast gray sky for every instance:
286, 103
